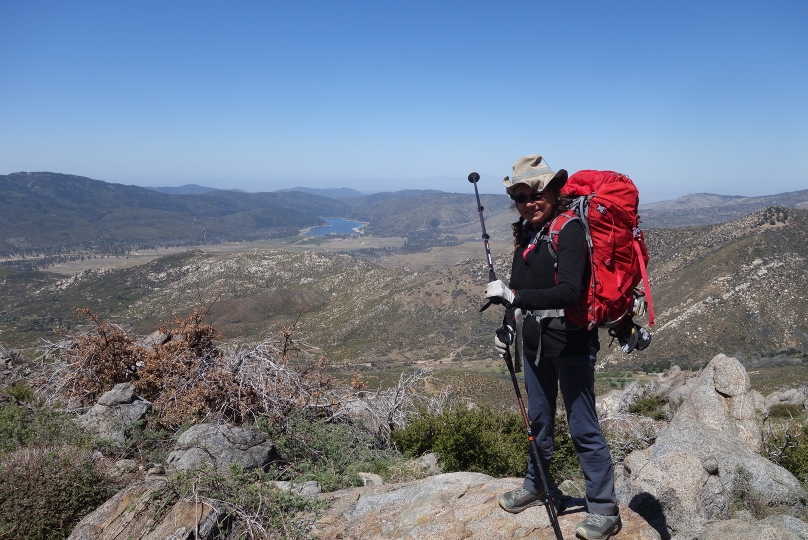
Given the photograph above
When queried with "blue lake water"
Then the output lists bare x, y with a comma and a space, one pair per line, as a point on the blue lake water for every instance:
336, 226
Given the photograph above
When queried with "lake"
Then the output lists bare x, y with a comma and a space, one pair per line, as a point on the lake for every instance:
337, 226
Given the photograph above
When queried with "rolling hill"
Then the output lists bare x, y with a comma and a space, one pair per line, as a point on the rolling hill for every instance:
709, 209
736, 287
187, 189
50, 212
49, 215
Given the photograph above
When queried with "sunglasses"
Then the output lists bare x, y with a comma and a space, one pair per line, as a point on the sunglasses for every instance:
535, 196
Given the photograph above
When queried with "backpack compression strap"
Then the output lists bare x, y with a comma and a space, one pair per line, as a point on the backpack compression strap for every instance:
645, 284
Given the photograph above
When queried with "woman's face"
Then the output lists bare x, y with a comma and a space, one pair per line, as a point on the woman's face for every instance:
535, 212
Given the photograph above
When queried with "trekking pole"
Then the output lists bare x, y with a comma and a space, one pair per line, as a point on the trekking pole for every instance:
474, 178
505, 337
534, 447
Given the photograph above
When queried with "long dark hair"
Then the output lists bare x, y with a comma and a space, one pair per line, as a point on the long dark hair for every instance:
522, 230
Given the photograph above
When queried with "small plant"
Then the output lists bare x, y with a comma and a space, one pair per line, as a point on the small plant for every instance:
787, 446
147, 440
254, 506
47, 478
744, 497
21, 392
330, 452
628, 432
482, 440
652, 406
21, 426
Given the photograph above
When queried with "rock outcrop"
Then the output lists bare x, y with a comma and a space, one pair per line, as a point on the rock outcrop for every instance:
220, 445
774, 528
722, 400
617, 402
115, 411
133, 512
686, 478
792, 396
450, 507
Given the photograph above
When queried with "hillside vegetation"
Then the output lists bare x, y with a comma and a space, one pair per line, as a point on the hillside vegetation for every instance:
355, 310
736, 287
47, 218
49, 213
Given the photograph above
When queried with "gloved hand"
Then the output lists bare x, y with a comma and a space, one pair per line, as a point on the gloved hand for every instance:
499, 293
502, 339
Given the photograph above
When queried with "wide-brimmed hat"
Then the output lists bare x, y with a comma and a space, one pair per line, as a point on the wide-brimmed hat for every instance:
532, 171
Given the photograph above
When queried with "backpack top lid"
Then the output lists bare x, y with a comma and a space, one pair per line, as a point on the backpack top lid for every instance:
616, 187
588, 182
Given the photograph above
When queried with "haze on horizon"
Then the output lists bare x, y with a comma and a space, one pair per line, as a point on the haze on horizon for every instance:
685, 98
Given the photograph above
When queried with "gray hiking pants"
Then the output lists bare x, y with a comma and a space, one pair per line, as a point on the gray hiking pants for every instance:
576, 376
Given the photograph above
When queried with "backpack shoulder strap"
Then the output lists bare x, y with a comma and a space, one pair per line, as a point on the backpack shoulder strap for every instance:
550, 235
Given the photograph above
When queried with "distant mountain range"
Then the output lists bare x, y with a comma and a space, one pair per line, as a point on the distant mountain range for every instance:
708, 208
49, 214
334, 193
187, 189
45, 213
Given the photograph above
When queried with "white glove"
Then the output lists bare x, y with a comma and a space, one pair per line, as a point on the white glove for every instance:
499, 293
506, 332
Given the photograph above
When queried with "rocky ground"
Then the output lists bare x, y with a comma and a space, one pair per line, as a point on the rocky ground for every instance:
686, 485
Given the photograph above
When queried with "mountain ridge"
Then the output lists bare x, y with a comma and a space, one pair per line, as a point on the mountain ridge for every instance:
709, 208
187, 189
46, 214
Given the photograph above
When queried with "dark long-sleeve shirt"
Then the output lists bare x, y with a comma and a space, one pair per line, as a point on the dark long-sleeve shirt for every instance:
534, 279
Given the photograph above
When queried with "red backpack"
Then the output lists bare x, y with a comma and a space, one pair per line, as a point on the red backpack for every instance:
606, 203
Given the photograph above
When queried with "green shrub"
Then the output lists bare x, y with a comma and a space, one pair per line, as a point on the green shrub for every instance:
652, 407
47, 478
482, 440
21, 426
786, 410
333, 453
44, 492
788, 447
261, 509
149, 441
21, 392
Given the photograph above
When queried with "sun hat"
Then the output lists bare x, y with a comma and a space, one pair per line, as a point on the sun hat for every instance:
532, 171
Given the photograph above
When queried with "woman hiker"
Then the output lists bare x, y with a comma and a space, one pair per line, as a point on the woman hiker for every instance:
555, 351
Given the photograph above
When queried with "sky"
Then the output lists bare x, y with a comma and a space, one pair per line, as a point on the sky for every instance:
684, 97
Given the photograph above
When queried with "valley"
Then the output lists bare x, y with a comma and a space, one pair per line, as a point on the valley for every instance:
714, 289
406, 294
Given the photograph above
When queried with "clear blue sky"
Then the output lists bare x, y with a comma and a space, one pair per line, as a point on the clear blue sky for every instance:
684, 97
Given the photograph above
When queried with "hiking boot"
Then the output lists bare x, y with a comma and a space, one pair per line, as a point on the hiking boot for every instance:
520, 499
598, 527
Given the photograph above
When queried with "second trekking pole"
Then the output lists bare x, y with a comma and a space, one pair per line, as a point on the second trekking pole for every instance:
505, 337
